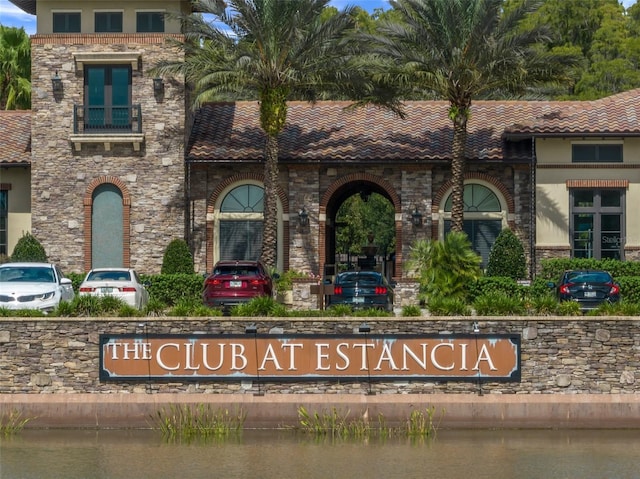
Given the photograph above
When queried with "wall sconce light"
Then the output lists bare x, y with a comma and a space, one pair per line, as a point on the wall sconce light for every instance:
364, 328
158, 86
303, 217
476, 327
56, 83
416, 217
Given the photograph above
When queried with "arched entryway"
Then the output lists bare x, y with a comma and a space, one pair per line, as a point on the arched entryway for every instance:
362, 184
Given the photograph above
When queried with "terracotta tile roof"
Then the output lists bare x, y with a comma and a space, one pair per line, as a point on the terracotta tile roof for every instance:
15, 137
327, 131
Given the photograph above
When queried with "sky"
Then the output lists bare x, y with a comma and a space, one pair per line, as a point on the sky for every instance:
12, 16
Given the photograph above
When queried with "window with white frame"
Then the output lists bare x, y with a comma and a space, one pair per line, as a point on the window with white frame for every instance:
484, 217
241, 223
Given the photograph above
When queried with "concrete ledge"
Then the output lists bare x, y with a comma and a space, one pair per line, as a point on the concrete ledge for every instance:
273, 411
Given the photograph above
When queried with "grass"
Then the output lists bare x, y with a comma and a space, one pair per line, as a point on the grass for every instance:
338, 424
12, 423
187, 422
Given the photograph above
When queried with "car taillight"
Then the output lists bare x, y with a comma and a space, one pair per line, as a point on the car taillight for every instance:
615, 289
214, 282
564, 289
128, 289
87, 290
381, 290
337, 290
258, 282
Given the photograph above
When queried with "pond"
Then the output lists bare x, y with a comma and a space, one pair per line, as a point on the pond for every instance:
141, 454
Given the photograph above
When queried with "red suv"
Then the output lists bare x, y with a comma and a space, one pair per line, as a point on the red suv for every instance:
236, 282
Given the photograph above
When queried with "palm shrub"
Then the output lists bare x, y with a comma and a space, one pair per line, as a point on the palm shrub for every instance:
507, 257
498, 304
28, 248
448, 306
177, 258
444, 268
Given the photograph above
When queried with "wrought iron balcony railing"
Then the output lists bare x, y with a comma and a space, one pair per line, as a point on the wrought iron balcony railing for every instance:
107, 119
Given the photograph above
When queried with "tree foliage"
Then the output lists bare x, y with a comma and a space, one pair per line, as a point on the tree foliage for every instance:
356, 218
15, 69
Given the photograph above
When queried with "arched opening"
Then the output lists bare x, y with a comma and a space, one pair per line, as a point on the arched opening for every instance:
361, 227
107, 233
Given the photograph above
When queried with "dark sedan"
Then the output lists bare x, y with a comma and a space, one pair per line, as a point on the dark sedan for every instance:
362, 289
588, 288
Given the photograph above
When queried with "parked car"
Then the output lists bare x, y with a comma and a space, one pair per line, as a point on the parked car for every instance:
33, 286
236, 282
121, 283
588, 288
362, 289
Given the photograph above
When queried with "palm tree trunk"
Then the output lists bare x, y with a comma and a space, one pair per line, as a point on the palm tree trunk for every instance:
458, 167
270, 229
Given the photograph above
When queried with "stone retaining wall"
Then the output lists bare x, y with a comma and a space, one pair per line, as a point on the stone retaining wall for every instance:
576, 372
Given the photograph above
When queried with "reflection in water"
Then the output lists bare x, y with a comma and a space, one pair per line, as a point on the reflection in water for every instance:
267, 454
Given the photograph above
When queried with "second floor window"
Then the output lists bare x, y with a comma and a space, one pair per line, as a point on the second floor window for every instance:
66, 22
107, 97
149, 22
108, 22
596, 153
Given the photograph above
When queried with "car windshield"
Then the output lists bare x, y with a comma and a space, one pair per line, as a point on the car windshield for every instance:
589, 277
236, 270
27, 274
361, 279
109, 276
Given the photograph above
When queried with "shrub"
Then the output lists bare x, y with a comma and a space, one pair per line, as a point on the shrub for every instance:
498, 304
177, 258
507, 257
496, 284
260, 306
444, 268
28, 248
446, 306
411, 310
170, 288
569, 308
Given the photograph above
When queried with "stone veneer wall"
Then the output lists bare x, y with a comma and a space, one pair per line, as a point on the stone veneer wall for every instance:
566, 356
62, 177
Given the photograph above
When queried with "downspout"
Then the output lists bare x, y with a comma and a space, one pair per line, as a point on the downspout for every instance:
532, 219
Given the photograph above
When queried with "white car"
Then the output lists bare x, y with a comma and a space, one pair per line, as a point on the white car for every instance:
33, 286
121, 283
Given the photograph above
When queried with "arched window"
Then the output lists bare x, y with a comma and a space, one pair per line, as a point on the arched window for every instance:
107, 227
240, 225
484, 217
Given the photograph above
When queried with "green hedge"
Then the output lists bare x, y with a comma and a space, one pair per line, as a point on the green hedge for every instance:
172, 288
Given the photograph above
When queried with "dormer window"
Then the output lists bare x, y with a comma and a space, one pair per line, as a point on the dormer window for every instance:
66, 22
108, 22
148, 22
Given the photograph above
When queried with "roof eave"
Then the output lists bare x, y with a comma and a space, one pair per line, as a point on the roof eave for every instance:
28, 6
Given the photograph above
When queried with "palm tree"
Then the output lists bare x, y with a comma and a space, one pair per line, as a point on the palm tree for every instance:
459, 50
272, 51
15, 69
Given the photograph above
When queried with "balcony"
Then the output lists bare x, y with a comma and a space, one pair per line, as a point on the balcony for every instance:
107, 124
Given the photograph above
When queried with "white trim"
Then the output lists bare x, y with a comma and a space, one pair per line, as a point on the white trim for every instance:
104, 58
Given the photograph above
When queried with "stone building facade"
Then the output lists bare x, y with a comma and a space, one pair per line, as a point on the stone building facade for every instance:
561, 175
74, 163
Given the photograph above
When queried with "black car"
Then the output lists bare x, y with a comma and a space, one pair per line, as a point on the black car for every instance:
362, 289
588, 288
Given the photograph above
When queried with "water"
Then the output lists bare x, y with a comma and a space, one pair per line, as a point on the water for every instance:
267, 454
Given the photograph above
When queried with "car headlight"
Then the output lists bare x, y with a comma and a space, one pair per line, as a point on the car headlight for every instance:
46, 296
